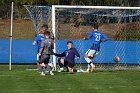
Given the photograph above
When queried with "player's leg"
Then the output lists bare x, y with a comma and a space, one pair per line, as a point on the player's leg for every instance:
88, 57
48, 65
38, 62
42, 64
42, 69
38, 59
61, 62
70, 67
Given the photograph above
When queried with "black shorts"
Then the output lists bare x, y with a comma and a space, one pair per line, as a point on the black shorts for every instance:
66, 64
71, 65
45, 59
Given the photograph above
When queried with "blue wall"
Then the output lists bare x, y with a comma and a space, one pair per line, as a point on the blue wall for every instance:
24, 52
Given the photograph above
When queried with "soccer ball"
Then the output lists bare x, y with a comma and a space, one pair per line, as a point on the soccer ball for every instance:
117, 59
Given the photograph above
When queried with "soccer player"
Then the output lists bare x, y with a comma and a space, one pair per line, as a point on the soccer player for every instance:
97, 38
39, 38
69, 55
46, 51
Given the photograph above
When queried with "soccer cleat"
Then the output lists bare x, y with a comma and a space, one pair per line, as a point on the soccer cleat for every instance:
59, 70
42, 74
46, 71
51, 73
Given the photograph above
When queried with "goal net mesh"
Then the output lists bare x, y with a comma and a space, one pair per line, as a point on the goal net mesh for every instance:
40, 16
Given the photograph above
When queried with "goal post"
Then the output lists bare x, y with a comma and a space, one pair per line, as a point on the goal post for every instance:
11, 35
120, 24
53, 30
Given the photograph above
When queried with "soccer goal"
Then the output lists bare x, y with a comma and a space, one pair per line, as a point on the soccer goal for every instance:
120, 24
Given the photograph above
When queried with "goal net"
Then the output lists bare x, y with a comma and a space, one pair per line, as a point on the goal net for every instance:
40, 16
120, 24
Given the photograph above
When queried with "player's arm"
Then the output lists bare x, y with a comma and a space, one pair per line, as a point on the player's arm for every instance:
76, 53
42, 47
104, 38
60, 55
35, 42
52, 45
88, 36
52, 35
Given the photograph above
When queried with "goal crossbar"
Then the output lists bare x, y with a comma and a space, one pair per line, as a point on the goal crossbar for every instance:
96, 7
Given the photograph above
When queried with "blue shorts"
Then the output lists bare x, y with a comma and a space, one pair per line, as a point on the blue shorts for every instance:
95, 47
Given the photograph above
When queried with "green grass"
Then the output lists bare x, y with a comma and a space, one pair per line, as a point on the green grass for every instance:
19, 80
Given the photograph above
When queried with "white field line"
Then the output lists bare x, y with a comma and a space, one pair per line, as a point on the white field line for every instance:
64, 89
31, 69
4, 75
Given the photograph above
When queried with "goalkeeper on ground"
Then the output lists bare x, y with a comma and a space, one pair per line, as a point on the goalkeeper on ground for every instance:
97, 38
46, 51
69, 55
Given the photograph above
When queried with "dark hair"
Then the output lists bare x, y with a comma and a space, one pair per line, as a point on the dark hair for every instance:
69, 42
47, 33
45, 26
95, 26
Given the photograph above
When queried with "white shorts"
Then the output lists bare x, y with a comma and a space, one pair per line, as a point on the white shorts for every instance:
92, 53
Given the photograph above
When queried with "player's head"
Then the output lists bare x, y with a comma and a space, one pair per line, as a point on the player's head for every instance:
47, 34
95, 26
41, 31
69, 44
45, 27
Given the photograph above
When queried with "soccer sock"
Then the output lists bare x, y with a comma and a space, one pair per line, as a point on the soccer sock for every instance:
49, 68
41, 68
62, 69
88, 68
37, 57
91, 64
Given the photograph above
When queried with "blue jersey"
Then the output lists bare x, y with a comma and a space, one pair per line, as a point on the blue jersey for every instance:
39, 40
97, 37
69, 55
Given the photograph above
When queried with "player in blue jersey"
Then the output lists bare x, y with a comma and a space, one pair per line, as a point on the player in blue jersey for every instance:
38, 40
97, 38
69, 55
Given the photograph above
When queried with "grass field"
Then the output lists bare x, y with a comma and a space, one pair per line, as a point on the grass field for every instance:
20, 80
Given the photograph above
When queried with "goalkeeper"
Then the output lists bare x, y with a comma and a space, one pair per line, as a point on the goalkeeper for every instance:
97, 37
69, 55
46, 51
